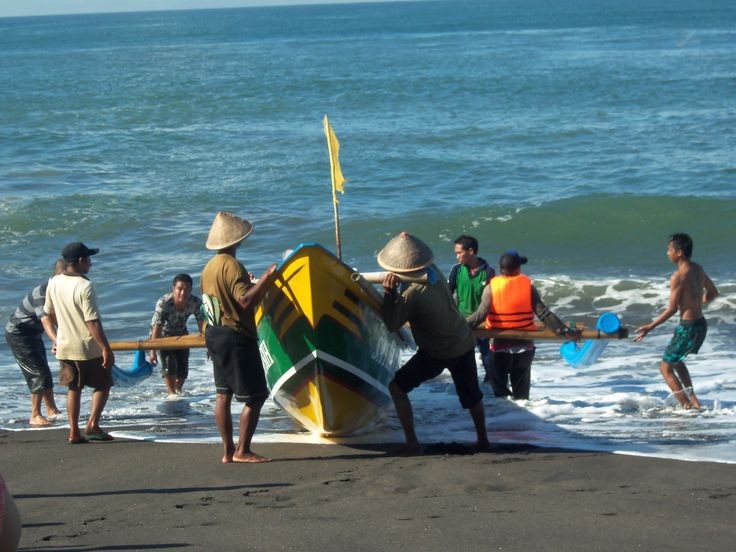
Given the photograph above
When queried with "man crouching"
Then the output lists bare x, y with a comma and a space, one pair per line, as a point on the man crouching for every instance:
443, 337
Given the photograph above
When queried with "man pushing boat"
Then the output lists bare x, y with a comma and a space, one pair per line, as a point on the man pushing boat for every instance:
442, 335
231, 337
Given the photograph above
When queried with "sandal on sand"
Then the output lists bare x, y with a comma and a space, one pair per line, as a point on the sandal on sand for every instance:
98, 436
79, 441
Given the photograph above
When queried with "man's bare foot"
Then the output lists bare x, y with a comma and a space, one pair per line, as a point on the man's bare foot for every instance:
39, 421
227, 458
53, 414
75, 438
250, 458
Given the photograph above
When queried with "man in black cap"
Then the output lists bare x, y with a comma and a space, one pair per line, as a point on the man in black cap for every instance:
84, 353
510, 301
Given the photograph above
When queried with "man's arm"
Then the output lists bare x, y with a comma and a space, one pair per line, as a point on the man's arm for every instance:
156, 332
710, 290
255, 293
98, 334
49, 326
478, 317
674, 301
395, 310
550, 319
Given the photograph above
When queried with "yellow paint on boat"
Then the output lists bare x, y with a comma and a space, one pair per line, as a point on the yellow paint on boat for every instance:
312, 287
327, 407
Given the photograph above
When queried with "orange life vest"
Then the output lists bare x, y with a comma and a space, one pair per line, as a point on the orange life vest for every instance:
511, 303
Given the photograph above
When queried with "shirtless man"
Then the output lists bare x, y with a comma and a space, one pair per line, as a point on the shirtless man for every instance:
686, 295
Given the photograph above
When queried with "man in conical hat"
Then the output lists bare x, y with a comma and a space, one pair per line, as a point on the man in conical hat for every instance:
442, 335
233, 344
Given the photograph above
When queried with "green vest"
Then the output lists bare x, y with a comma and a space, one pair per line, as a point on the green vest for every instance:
469, 289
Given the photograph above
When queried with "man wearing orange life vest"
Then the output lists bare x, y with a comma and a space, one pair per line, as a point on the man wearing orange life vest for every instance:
510, 301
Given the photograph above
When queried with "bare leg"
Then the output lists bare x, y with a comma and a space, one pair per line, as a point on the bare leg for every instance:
478, 414
170, 382
48, 398
248, 421
668, 373
37, 419
72, 411
684, 376
99, 400
179, 385
406, 417
225, 425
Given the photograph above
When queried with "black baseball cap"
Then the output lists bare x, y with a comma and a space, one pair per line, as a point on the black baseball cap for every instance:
512, 260
75, 250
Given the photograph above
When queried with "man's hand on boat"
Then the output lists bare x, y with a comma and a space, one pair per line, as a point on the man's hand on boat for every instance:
391, 282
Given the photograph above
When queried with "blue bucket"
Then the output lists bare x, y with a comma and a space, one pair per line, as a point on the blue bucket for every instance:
582, 356
140, 370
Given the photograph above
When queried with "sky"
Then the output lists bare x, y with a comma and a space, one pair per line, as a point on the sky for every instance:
12, 8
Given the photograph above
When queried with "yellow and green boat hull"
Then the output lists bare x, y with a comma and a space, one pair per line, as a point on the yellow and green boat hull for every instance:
327, 353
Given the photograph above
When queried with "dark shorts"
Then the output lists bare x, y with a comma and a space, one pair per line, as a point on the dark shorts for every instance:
237, 365
30, 353
422, 367
688, 338
78, 374
175, 363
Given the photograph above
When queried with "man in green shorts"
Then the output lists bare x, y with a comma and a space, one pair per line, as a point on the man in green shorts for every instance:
686, 295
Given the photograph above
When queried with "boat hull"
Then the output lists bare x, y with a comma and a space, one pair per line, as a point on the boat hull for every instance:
327, 354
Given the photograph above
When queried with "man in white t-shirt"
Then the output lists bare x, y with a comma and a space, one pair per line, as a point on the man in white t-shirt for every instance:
84, 354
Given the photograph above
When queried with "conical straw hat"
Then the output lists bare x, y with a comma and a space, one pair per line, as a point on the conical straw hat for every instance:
227, 230
405, 253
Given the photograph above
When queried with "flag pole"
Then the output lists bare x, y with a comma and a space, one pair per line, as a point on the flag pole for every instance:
337, 225
338, 180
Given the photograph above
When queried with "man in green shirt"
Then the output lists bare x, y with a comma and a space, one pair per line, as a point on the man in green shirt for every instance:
467, 279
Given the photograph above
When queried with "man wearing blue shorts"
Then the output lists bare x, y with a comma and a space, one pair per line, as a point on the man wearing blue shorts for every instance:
690, 289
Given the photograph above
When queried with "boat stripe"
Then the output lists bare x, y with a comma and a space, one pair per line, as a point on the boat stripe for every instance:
333, 360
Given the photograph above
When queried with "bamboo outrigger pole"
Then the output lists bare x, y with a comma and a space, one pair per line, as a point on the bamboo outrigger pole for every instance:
338, 180
194, 341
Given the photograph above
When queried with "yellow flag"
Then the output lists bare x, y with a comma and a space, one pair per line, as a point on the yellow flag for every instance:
333, 147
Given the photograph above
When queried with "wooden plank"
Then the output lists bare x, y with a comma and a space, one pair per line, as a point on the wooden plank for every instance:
196, 341
545, 334
193, 341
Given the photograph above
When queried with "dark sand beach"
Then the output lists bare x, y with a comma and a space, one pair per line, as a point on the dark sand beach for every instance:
132, 495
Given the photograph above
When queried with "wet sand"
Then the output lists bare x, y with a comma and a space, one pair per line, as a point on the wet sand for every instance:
134, 495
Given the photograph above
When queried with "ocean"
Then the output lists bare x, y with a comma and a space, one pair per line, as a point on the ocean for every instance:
581, 134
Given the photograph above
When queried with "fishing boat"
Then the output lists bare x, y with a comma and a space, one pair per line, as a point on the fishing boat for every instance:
327, 353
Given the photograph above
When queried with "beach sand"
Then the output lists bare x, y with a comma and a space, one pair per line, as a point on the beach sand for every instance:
134, 495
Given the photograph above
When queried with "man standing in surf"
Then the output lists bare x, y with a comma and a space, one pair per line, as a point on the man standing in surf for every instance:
231, 337
443, 337
686, 295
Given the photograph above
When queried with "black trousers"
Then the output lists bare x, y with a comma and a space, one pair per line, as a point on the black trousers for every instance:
513, 367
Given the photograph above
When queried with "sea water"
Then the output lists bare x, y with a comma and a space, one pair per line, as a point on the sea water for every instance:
580, 133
